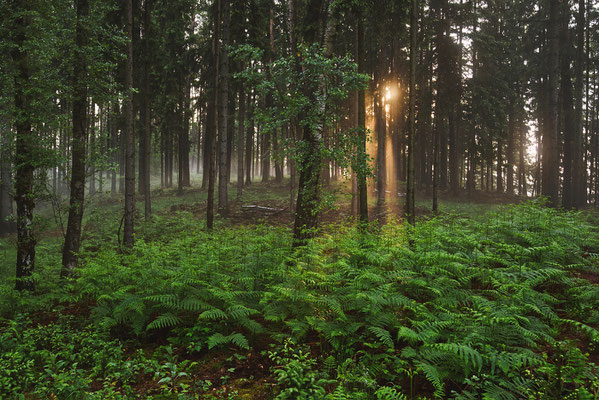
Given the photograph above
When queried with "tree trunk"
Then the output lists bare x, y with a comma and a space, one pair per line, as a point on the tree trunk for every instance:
511, 147
362, 158
147, 106
6, 207
249, 140
410, 198
223, 107
240, 137
24, 155
578, 164
129, 137
380, 127
550, 167
308, 197
72, 240
213, 122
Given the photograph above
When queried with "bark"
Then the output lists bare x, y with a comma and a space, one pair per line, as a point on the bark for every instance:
6, 206
578, 166
213, 117
223, 107
550, 160
114, 142
72, 240
362, 159
249, 141
410, 199
380, 127
511, 148
240, 137
129, 137
147, 107
230, 131
308, 197
522, 174
24, 161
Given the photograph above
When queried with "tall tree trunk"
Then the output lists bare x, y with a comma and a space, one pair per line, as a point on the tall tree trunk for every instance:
362, 158
410, 198
308, 197
147, 107
213, 122
550, 167
578, 164
223, 107
24, 155
129, 137
567, 110
72, 239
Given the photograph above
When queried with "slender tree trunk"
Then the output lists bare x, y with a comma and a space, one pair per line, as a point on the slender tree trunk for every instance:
410, 198
578, 164
362, 159
213, 122
147, 106
550, 167
223, 107
249, 140
129, 137
230, 130
240, 137
72, 240
24, 155
380, 126
511, 148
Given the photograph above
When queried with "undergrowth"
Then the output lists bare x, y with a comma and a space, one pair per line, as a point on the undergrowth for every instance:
494, 308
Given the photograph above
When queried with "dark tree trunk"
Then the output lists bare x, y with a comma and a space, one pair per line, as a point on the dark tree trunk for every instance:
362, 159
24, 155
550, 167
230, 131
578, 165
223, 108
6, 207
72, 239
147, 107
380, 127
129, 137
410, 199
249, 140
511, 147
114, 142
213, 122
500, 166
240, 141
308, 197
522, 173
91, 149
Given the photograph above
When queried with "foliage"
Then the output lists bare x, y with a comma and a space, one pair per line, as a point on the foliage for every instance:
494, 307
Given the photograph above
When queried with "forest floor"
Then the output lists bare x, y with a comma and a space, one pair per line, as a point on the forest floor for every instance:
496, 297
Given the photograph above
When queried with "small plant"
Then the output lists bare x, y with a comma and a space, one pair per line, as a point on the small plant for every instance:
295, 374
171, 373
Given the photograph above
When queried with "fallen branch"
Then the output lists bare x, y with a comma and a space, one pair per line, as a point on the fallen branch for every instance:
261, 208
